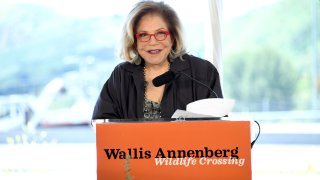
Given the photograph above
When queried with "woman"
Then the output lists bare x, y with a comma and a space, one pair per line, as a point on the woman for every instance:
152, 45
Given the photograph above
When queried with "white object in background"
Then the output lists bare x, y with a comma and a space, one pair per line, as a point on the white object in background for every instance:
214, 107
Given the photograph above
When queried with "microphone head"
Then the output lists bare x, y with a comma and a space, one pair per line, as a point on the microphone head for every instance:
163, 78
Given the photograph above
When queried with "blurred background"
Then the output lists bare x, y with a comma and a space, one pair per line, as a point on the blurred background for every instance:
55, 56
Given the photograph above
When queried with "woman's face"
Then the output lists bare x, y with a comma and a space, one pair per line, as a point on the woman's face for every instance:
154, 52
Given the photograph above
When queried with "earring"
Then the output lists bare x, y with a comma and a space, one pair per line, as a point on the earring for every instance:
137, 60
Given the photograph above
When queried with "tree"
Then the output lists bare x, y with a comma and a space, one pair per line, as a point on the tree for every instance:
260, 79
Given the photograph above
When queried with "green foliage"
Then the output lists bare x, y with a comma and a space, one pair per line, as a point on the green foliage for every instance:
35, 43
267, 53
259, 79
267, 57
30, 136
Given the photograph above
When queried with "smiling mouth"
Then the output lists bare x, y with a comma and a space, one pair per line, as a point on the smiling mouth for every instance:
155, 51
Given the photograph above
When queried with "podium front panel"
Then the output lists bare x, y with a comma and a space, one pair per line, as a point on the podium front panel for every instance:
174, 150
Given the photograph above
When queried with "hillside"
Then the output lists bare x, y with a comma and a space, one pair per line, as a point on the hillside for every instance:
267, 57
37, 44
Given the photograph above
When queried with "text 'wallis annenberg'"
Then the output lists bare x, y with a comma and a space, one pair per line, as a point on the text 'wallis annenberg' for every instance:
180, 157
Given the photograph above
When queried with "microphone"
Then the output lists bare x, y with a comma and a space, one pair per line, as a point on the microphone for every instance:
163, 78
170, 75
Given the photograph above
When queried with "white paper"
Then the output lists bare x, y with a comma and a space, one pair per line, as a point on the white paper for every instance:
212, 107
181, 114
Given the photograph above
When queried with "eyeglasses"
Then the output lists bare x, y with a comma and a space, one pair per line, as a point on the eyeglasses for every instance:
159, 36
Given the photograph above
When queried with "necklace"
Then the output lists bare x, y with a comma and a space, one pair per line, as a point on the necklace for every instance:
151, 110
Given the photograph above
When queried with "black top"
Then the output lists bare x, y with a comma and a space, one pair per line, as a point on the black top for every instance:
122, 96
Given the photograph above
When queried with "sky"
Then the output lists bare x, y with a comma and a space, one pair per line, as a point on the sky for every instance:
86, 8
233, 8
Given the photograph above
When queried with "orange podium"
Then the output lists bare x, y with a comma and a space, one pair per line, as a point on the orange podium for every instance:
202, 149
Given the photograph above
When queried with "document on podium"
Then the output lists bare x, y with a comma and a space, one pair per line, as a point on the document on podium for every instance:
204, 108
182, 114
214, 107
